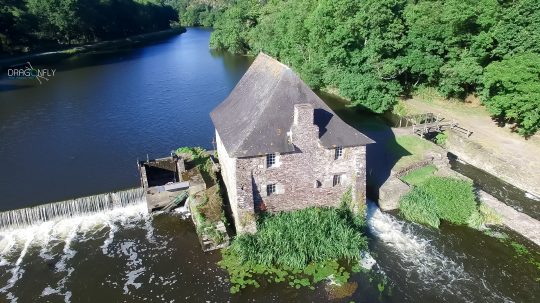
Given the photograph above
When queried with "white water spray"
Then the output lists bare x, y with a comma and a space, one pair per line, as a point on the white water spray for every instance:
19, 218
418, 256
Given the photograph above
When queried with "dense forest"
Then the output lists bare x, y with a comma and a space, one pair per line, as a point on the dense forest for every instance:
369, 51
375, 51
29, 25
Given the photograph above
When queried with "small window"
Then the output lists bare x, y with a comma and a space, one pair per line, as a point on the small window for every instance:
270, 189
337, 180
270, 160
339, 153
318, 184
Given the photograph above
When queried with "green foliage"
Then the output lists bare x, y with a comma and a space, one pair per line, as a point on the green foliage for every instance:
243, 274
439, 198
198, 12
418, 206
484, 216
300, 247
441, 138
201, 159
512, 91
295, 239
419, 175
30, 24
373, 51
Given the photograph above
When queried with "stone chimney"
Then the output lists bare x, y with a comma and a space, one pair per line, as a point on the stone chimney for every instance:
304, 132
303, 114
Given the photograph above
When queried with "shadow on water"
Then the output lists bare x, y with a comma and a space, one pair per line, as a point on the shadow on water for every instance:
383, 154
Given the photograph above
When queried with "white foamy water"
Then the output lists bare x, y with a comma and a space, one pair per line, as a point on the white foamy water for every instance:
532, 197
66, 230
419, 257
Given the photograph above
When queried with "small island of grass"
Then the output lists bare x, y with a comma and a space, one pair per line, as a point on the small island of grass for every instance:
301, 248
433, 199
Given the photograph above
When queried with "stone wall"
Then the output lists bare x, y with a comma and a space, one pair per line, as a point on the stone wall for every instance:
474, 154
303, 178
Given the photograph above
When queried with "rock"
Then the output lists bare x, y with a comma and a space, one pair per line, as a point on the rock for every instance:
390, 193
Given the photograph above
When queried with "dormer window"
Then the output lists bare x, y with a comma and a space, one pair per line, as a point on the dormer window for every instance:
270, 160
338, 153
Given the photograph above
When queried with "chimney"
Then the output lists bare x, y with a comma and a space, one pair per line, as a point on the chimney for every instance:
303, 114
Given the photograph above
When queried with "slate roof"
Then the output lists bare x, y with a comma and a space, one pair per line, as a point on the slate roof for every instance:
256, 116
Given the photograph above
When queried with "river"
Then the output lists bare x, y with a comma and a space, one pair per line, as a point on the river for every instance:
81, 132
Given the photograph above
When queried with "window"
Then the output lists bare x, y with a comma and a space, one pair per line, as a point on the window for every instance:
339, 153
318, 184
270, 189
337, 180
270, 160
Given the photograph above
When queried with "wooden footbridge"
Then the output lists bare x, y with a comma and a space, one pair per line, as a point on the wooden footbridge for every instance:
422, 124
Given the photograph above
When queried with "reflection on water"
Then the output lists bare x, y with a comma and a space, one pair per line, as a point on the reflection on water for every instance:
82, 132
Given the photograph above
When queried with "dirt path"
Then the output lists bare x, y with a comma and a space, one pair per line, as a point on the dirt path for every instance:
520, 154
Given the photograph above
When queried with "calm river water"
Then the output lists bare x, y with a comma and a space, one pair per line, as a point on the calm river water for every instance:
81, 132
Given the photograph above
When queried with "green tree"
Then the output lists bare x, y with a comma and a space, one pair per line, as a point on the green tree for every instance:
512, 91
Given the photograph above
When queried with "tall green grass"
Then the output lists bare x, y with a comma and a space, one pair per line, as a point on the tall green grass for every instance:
295, 239
301, 248
440, 198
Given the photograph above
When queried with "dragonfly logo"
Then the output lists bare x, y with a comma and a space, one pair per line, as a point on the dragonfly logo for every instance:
28, 72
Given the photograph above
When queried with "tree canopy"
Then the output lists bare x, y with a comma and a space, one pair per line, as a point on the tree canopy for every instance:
374, 51
27, 25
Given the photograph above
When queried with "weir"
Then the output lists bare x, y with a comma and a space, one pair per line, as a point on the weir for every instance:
64, 209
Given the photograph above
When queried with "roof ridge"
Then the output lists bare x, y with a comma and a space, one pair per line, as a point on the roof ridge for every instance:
274, 60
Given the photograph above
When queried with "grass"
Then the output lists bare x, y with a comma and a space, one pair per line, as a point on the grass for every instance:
300, 248
295, 239
440, 198
419, 175
409, 149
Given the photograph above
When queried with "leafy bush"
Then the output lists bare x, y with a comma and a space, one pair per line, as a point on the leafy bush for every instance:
441, 138
439, 198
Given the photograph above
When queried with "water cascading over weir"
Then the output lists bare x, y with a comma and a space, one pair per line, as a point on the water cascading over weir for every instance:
19, 218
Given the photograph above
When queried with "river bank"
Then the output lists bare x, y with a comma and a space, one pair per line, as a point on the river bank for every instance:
414, 153
491, 148
111, 45
82, 132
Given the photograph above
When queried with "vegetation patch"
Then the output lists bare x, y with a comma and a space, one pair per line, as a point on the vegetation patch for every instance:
209, 213
440, 198
199, 157
419, 175
409, 149
441, 138
300, 248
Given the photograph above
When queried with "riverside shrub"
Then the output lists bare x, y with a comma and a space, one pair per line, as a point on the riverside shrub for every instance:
439, 198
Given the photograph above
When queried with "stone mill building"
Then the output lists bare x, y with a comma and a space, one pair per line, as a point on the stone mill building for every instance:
282, 148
